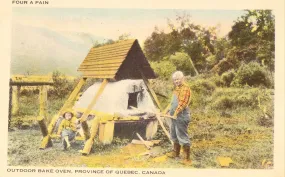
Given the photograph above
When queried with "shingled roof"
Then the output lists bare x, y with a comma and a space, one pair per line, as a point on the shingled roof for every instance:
122, 60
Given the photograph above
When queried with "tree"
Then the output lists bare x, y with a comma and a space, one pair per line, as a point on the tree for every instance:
184, 36
253, 36
122, 37
154, 46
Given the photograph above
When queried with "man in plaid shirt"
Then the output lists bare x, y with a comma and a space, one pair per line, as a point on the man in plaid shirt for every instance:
180, 111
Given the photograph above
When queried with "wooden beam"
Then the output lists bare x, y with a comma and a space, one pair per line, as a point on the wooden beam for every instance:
10, 107
139, 136
163, 127
149, 143
89, 66
15, 99
158, 114
196, 72
29, 83
159, 94
43, 100
46, 142
102, 62
89, 108
150, 90
106, 132
107, 56
97, 76
93, 102
90, 141
67, 104
43, 126
42, 117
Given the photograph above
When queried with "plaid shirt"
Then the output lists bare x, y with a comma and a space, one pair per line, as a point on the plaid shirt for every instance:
183, 94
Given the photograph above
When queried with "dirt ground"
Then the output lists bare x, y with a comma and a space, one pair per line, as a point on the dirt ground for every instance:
23, 150
245, 150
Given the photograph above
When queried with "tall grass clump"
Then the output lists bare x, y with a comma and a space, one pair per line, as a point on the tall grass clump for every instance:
201, 90
227, 77
238, 98
252, 74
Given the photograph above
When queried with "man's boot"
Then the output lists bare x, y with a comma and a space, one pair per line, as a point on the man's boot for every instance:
186, 155
175, 152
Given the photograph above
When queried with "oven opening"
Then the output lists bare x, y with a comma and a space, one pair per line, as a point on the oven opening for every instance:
133, 100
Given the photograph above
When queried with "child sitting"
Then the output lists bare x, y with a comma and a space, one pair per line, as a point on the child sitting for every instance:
67, 129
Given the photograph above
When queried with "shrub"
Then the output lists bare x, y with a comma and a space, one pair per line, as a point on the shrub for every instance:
227, 77
202, 86
164, 69
223, 66
201, 89
239, 98
216, 79
252, 74
182, 62
210, 61
265, 120
61, 87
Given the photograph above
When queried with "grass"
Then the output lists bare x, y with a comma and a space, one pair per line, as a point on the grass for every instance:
225, 122
24, 151
236, 137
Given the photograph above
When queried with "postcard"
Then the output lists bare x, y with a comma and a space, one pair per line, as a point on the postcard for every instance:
142, 88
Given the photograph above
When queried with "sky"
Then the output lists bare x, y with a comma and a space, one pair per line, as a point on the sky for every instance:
111, 23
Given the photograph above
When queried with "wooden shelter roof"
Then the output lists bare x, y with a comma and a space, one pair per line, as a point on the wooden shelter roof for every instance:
122, 60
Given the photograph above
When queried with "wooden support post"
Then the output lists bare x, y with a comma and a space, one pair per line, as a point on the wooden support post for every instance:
89, 108
10, 107
67, 104
93, 131
15, 99
85, 130
43, 126
42, 114
47, 139
151, 129
106, 132
196, 72
150, 90
154, 98
43, 100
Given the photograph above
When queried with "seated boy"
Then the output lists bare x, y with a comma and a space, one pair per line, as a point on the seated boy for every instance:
67, 129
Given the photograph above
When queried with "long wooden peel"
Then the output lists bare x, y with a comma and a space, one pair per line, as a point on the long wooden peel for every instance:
163, 127
150, 90
158, 114
139, 136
